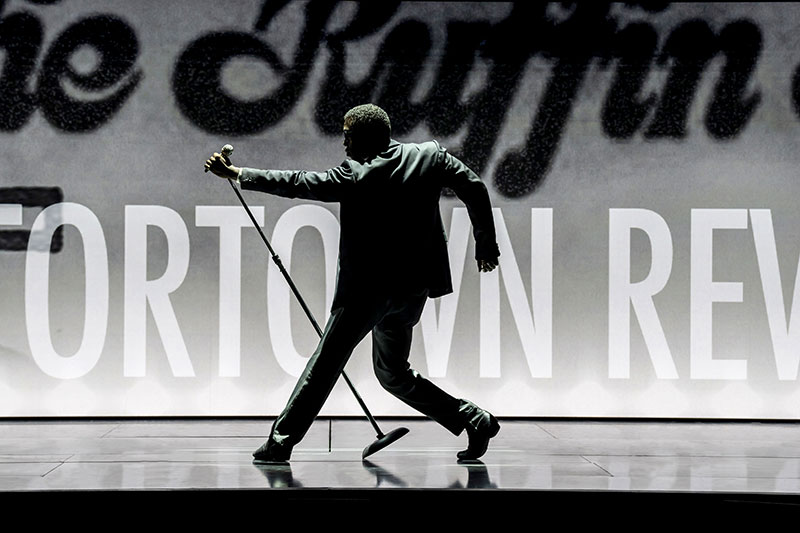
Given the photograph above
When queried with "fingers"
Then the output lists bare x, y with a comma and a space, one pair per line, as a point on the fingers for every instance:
486, 265
216, 163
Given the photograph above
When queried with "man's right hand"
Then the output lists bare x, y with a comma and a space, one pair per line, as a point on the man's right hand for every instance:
221, 166
485, 265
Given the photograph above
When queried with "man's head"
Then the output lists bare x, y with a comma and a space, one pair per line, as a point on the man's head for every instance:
367, 131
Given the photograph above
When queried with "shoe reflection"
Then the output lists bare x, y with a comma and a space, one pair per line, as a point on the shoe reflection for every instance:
279, 476
382, 475
477, 475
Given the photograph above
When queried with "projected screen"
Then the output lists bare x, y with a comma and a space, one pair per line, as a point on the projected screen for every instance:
641, 161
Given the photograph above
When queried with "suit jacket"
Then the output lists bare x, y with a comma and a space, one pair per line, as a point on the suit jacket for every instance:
392, 236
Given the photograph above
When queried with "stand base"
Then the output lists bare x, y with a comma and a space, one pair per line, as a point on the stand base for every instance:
384, 441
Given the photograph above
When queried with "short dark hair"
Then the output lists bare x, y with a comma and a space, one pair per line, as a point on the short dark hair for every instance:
371, 125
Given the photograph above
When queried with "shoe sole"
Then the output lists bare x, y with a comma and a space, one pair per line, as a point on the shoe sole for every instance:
270, 462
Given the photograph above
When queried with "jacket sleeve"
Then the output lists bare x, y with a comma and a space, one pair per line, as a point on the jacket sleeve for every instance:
472, 191
329, 186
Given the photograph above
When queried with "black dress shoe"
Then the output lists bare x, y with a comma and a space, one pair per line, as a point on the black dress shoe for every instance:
270, 453
481, 426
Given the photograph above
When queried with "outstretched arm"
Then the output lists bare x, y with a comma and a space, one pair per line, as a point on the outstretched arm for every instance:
329, 186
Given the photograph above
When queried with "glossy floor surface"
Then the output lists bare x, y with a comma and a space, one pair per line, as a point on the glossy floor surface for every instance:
553, 456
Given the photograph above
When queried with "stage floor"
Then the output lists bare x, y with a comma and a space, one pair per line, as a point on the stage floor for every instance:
709, 471
744, 461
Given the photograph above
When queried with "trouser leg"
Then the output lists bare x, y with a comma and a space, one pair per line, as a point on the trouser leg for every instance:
345, 328
391, 344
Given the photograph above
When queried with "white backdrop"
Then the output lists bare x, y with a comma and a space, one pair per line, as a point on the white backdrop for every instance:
642, 165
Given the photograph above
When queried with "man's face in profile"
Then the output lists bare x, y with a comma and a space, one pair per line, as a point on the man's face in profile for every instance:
352, 146
348, 140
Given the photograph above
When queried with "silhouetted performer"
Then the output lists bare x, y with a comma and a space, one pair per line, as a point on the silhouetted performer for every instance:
392, 257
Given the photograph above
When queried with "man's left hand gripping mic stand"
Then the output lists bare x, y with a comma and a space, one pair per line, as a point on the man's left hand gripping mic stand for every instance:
383, 439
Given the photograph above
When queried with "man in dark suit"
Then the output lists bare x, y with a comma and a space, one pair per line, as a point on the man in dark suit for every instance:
392, 257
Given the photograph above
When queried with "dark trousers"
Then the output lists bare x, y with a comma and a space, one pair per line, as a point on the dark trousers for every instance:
391, 319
